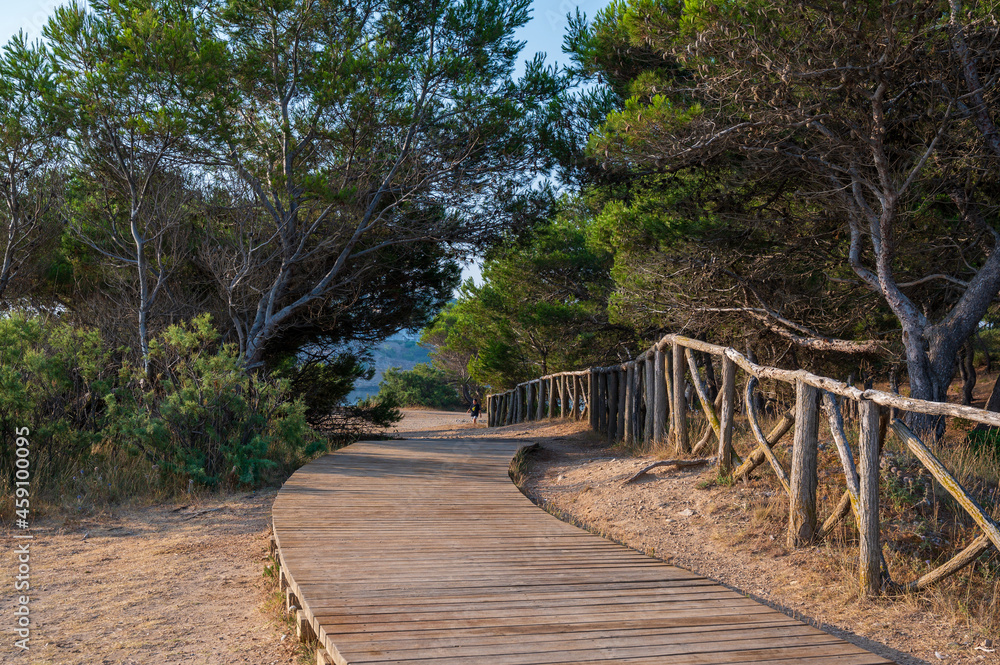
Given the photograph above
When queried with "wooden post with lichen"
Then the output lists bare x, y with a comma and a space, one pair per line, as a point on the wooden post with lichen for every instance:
870, 550
803, 481
728, 410
679, 407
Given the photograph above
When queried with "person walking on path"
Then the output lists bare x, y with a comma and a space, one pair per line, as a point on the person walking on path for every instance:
474, 410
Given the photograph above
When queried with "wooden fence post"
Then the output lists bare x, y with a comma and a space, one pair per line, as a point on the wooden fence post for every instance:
622, 402
728, 409
870, 553
592, 398
802, 505
540, 400
612, 404
561, 391
602, 402
570, 396
574, 397
629, 430
530, 410
577, 395
660, 397
650, 373
552, 397
679, 406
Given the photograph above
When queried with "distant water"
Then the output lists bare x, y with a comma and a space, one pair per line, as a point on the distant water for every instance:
401, 350
359, 394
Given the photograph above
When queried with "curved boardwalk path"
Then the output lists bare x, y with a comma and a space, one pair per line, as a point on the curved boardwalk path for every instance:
424, 551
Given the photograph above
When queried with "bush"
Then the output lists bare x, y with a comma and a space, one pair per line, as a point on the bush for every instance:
202, 417
421, 386
52, 377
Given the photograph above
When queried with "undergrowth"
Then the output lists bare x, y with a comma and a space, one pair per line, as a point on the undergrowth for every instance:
103, 431
275, 606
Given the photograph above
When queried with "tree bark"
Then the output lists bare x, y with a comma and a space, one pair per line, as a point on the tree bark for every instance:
969, 362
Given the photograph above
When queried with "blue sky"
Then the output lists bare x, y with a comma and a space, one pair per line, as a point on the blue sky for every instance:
543, 34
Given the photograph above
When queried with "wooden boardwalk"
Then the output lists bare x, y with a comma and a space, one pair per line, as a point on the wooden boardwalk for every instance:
424, 551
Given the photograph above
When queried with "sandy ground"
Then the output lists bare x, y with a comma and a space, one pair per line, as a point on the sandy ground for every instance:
164, 584
184, 583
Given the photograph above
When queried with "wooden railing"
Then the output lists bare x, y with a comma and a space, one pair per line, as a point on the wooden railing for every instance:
644, 400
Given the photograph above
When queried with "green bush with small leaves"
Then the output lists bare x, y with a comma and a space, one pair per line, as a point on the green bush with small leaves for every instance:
52, 377
421, 386
203, 417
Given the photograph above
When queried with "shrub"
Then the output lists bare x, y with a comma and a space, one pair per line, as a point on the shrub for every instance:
202, 417
421, 386
51, 379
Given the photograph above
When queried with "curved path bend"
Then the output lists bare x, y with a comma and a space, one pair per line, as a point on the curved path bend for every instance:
424, 551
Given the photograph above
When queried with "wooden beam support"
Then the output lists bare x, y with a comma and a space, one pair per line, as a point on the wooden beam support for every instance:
948, 481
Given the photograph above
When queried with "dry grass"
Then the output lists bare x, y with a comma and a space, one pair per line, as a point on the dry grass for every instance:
922, 526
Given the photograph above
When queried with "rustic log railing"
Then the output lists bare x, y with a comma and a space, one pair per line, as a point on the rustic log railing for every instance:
644, 400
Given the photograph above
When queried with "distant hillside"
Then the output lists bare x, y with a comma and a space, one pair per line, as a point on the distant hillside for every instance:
397, 351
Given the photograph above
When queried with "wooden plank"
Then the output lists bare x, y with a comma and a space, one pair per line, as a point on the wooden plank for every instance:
406, 551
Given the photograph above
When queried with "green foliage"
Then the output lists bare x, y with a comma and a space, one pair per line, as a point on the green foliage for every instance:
51, 378
985, 441
203, 417
421, 386
542, 306
322, 385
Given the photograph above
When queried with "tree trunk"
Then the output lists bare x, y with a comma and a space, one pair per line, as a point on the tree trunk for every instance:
969, 385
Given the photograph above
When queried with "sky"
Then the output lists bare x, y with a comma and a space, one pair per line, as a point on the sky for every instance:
543, 34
